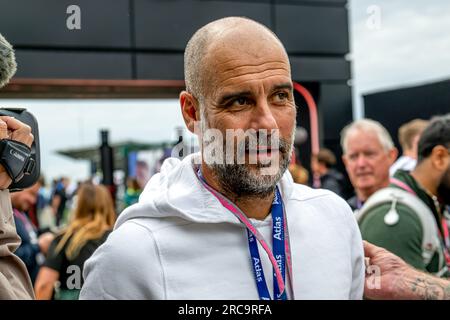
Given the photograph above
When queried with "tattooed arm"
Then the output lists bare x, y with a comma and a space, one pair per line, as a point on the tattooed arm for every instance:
428, 287
389, 277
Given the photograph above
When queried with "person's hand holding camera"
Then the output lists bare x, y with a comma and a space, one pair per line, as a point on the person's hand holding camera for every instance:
11, 128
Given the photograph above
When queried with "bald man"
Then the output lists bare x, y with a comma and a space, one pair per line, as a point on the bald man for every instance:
228, 222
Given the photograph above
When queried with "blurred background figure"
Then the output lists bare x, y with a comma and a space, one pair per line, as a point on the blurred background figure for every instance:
35, 209
408, 136
327, 177
142, 173
409, 217
42, 202
298, 172
34, 245
167, 153
93, 220
368, 153
132, 192
59, 199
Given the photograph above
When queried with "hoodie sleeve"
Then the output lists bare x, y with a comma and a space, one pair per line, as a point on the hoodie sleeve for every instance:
126, 267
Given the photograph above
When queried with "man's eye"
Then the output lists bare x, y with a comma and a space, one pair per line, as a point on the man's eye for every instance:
281, 96
240, 102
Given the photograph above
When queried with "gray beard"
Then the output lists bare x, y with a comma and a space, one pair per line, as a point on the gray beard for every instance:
238, 181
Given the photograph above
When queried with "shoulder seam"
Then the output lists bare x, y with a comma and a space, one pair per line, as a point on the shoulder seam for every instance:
157, 229
327, 194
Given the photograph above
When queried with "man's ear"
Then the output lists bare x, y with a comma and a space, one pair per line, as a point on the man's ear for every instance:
392, 155
190, 109
440, 158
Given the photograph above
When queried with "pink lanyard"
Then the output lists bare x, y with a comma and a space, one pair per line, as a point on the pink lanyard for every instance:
244, 220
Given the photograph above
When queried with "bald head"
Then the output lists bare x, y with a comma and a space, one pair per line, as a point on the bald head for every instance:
236, 35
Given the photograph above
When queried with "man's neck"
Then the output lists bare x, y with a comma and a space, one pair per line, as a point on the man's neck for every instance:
424, 179
256, 208
410, 153
253, 207
364, 194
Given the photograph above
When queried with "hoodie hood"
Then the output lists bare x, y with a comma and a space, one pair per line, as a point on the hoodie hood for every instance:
177, 192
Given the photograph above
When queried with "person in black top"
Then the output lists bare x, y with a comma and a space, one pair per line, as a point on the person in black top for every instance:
94, 216
33, 246
59, 199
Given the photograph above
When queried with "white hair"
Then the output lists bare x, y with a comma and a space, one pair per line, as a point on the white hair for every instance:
367, 125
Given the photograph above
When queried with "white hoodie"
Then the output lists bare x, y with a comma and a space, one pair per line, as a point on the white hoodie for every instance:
179, 242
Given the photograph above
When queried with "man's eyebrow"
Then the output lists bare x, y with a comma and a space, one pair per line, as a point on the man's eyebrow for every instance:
286, 85
227, 97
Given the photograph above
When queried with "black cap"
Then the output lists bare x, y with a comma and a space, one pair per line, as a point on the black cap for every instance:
437, 133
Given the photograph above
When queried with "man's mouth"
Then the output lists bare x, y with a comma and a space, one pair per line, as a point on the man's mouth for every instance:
262, 151
262, 155
363, 174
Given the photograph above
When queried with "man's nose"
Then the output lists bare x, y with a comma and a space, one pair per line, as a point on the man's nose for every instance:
361, 160
262, 117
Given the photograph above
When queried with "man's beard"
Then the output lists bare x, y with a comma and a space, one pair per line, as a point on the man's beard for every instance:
238, 180
243, 182
444, 188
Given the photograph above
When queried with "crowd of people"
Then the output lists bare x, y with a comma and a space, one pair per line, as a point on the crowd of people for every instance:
195, 219
49, 252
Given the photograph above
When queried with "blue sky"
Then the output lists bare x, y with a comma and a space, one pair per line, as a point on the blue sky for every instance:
410, 45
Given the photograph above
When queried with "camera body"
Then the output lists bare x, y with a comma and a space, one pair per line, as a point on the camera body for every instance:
26, 117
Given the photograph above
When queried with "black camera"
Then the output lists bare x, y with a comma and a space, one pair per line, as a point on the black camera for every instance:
22, 165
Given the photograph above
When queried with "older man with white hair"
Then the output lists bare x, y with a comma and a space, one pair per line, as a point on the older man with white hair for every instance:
368, 153
409, 217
